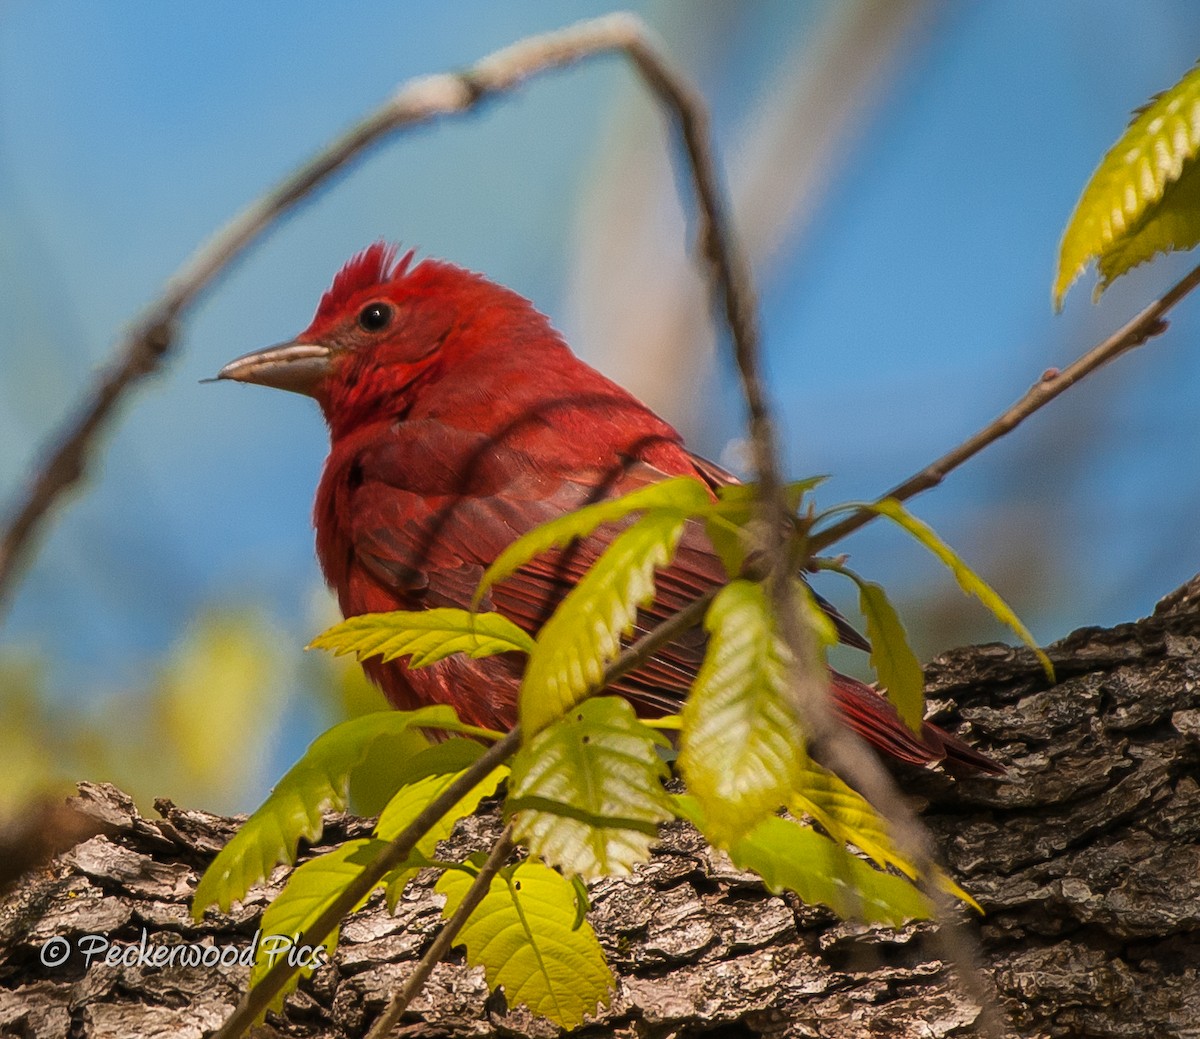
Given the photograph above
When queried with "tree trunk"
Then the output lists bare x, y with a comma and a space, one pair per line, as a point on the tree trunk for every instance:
1086, 858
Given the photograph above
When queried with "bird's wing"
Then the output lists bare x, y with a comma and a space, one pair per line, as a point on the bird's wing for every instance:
428, 545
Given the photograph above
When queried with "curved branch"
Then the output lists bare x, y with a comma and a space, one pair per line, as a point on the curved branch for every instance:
152, 338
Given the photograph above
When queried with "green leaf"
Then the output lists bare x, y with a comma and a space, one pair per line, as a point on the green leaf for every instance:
740, 747
317, 783
791, 856
730, 539
681, 495
894, 662
584, 632
727, 523
311, 888
1144, 197
848, 817
426, 636
586, 792
411, 800
969, 581
442, 765
747, 493
383, 770
817, 620
522, 934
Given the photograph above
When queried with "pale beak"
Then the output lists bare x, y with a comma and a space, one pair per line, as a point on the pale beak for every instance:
298, 367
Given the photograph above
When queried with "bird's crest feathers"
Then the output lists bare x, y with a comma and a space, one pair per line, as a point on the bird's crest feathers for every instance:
375, 265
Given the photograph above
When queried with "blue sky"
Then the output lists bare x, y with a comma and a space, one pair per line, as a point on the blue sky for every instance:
912, 308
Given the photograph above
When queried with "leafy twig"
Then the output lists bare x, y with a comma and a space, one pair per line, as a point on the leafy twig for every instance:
445, 938
1144, 326
635, 655
259, 998
255, 1002
840, 748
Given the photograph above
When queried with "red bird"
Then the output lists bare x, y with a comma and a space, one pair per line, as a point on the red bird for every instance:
459, 420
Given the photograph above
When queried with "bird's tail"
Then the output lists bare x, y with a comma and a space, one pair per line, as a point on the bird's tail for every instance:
877, 722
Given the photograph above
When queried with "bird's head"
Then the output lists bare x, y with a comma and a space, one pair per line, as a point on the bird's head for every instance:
387, 326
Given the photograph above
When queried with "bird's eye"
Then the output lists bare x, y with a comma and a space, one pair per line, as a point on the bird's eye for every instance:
375, 316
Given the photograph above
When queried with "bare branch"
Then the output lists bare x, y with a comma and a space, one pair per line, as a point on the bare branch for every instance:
152, 338
1144, 326
445, 938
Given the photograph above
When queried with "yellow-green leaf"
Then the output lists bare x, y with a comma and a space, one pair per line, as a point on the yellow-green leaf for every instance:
969, 581
311, 888
895, 664
682, 494
728, 522
791, 856
747, 493
849, 818
411, 799
1144, 197
586, 791
584, 632
740, 747
317, 783
523, 935
426, 636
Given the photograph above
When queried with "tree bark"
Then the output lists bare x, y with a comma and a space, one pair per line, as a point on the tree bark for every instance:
1086, 858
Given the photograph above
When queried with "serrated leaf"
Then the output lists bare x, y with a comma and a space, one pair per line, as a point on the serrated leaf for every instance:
739, 748
892, 658
586, 792
969, 581
412, 798
319, 782
390, 764
442, 766
311, 888
522, 935
1144, 197
680, 495
425, 636
584, 632
791, 856
730, 540
818, 621
848, 817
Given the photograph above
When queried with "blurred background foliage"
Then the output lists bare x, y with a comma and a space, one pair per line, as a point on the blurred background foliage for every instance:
901, 171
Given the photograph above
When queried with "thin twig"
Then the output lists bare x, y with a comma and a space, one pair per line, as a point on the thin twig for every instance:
729, 273
637, 653
152, 338
445, 938
1140, 329
841, 748
255, 1002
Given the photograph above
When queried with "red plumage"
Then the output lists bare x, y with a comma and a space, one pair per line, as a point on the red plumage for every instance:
459, 420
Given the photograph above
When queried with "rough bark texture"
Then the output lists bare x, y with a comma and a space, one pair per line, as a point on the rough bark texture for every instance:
1086, 858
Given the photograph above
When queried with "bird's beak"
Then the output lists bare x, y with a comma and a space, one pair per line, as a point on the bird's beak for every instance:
298, 367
